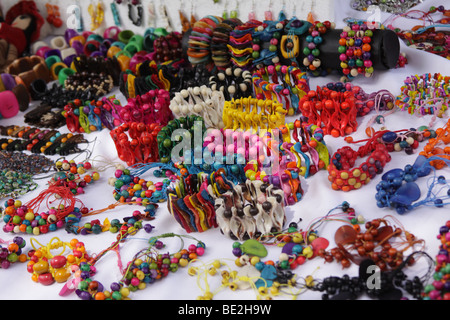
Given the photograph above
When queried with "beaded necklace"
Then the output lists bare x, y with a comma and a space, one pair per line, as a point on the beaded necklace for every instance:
398, 188
147, 266
384, 240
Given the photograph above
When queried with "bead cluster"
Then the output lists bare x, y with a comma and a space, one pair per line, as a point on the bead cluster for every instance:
12, 252
381, 241
47, 268
425, 94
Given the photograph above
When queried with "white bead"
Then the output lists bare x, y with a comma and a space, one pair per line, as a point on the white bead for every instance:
360, 218
237, 72
243, 87
209, 102
410, 140
316, 63
196, 91
397, 147
260, 28
232, 89
306, 62
283, 257
228, 71
184, 93
276, 60
120, 166
354, 72
244, 259
279, 25
221, 76
175, 109
197, 108
184, 109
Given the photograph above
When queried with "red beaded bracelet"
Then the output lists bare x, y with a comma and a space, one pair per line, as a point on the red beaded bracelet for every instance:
333, 111
342, 177
143, 147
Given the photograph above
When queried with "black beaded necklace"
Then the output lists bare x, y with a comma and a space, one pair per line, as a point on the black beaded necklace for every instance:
383, 285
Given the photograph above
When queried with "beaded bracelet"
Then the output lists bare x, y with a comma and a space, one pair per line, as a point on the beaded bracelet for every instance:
165, 139
202, 102
12, 252
191, 201
314, 39
355, 50
234, 82
143, 146
306, 139
129, 224
253, 114
398, 188
131, 188
437, 290
152, 107
342, 177
14, 184
219, 41
200, 39
168, 48
92, 116
262, 214
425, 94
267, 279
281, 83
240, 45
70, 175
47, 268
146, 267
48, 142
334, 112
269, 31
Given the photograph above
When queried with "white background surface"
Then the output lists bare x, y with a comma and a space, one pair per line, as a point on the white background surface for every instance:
318, 199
